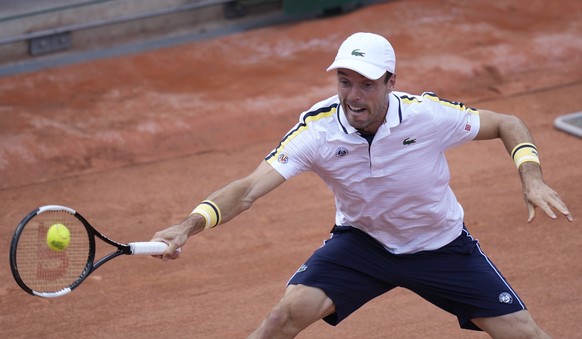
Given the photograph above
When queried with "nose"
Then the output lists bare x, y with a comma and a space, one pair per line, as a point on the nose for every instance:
354, 94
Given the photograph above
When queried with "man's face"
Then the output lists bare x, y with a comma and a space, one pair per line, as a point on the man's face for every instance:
364, 101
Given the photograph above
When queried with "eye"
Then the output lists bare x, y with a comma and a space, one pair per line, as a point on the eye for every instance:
369, 86
343, 82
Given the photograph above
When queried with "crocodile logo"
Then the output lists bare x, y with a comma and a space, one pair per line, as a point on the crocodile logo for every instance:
356, 52
408, 141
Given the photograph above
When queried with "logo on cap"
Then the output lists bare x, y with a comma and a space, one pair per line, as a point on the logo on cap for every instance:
356, 52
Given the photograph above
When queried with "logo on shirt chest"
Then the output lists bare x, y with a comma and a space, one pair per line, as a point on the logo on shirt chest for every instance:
341, 151
409, 141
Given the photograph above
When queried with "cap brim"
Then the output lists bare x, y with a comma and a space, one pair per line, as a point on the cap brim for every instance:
368, 70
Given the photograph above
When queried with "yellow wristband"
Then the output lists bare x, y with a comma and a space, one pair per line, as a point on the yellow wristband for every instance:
525, 152
210, 211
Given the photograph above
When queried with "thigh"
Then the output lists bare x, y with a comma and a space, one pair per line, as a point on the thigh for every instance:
462, 280
347, 269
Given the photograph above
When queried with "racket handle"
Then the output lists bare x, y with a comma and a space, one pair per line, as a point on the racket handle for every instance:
148, 247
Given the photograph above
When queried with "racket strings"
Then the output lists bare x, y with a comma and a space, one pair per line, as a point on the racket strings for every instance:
44, 269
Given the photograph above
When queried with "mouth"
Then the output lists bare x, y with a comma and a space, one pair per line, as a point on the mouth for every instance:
355, 109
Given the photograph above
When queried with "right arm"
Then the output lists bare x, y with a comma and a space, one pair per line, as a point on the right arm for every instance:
232, 199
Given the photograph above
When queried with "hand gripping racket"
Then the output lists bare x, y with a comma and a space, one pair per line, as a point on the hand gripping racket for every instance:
45, 272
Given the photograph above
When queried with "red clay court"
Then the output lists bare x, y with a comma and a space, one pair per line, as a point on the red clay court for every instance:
134, 142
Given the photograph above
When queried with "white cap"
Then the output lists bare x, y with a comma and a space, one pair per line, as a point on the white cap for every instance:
369, 54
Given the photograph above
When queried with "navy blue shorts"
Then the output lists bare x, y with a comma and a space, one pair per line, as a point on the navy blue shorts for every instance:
352, 268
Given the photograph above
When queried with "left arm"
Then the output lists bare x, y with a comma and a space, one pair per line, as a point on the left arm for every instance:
512, 131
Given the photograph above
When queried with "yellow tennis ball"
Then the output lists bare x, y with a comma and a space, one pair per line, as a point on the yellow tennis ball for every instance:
58, 237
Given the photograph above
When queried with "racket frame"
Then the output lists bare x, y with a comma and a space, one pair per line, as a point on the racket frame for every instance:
91, 265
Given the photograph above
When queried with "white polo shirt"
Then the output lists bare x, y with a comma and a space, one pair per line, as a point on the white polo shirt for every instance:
396, 189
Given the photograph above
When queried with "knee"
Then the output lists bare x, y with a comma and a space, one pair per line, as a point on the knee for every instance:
278, 324
299, 307
280, 316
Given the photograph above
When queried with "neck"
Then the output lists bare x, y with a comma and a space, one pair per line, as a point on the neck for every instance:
364, 132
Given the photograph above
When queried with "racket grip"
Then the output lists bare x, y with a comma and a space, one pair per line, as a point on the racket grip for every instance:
148, 247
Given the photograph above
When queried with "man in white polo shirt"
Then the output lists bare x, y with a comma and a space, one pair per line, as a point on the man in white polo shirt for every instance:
394, 226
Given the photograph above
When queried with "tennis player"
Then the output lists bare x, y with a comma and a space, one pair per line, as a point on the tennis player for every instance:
397, 222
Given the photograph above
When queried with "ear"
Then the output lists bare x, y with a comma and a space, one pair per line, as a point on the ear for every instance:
391, 85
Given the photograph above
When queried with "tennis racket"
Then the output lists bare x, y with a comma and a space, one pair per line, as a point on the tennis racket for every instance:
45, 272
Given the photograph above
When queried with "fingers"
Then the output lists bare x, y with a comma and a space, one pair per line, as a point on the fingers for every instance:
568, 216
169, 254
175, 237
546, 208
172, 253
564, 210
547, 203
531, 212
557, 204
561, 207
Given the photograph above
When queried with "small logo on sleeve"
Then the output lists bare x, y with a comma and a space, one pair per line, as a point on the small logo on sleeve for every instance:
283, 158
